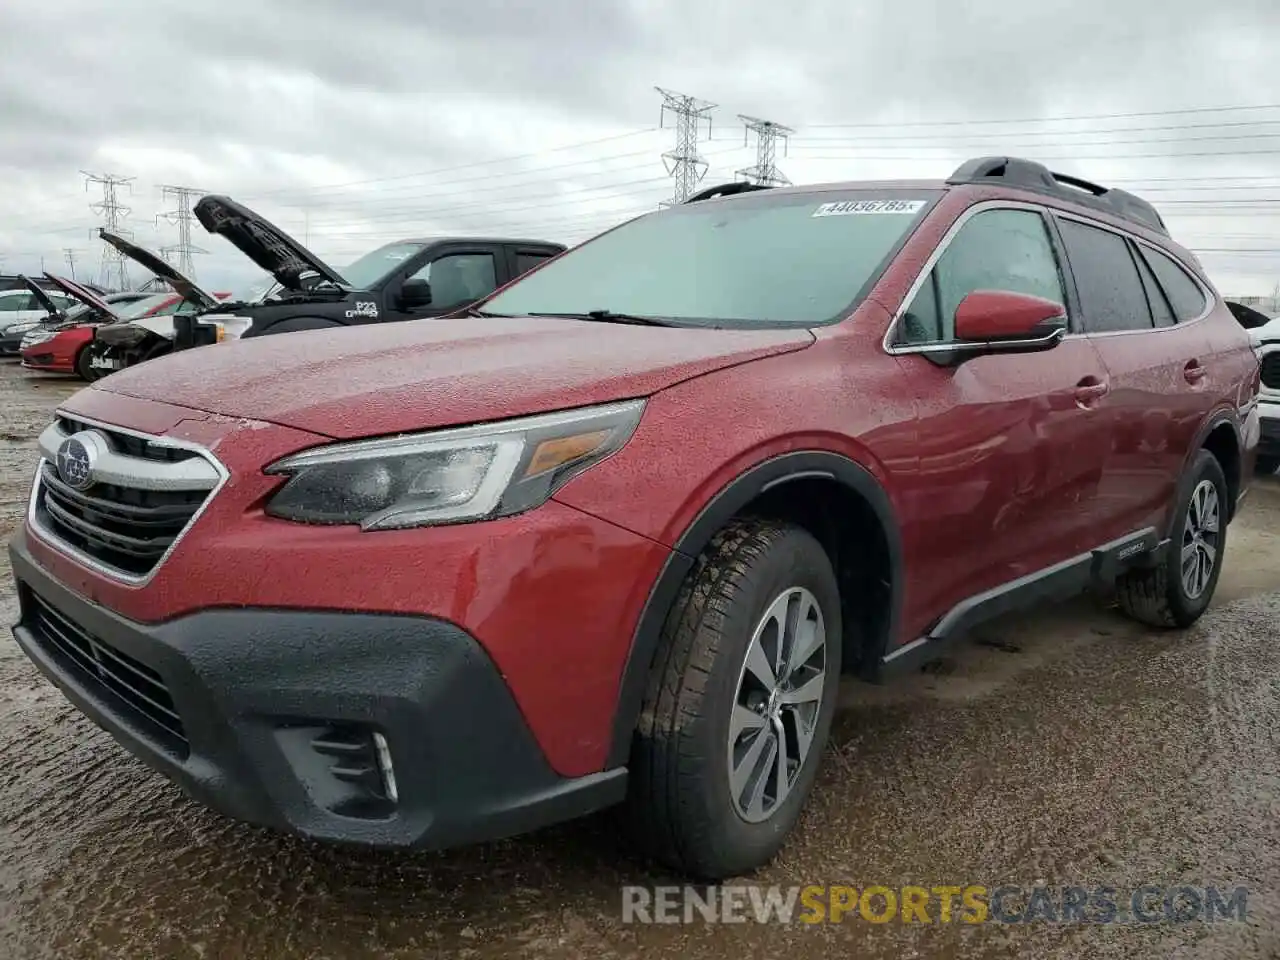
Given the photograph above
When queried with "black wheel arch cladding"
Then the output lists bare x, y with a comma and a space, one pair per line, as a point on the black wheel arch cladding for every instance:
726, 504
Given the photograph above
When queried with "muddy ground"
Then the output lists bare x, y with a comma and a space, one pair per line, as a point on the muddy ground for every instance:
1068, 747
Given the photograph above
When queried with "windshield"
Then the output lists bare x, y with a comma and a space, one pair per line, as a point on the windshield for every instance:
140, 308
778, 260
373, 266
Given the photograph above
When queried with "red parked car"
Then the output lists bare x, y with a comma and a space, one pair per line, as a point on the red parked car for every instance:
60, 347
613, 536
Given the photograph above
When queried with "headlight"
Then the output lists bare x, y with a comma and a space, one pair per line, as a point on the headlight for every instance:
37, 337
449, 476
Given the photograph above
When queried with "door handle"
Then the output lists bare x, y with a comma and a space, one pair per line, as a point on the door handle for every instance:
1090, 390
1194, 371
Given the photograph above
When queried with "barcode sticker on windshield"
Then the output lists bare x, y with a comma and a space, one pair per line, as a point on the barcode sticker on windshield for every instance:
845, 208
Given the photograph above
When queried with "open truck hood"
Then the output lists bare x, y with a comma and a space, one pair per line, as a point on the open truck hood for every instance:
183, 284
264, 243
385, 378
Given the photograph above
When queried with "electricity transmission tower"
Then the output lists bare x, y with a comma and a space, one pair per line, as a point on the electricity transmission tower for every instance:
683, 164
71, 261
114, 270
768, 133
182, 217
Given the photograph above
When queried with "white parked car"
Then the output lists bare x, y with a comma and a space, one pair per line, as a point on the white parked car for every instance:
1264, 331
22, 306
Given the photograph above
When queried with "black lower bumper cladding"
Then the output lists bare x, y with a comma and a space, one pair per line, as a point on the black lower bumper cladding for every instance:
1269, 441
373, 729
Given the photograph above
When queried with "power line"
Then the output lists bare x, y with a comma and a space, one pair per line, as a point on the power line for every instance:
768, 133
683, 164
114, 269
1069, 119
182, 217
71, 261
461, 166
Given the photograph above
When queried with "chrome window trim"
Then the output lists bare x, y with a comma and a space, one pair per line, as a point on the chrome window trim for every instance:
1210, 298
50, 539
981, 207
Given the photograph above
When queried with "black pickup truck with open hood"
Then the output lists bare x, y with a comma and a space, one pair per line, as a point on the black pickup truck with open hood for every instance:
405, 280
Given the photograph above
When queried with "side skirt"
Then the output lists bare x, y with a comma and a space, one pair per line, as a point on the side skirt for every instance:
1098, 567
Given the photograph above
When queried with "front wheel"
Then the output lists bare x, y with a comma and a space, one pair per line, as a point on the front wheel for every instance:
1177, 591
739, 704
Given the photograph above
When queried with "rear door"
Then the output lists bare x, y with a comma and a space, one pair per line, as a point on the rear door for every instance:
1157, 370
524, 258
1011, 446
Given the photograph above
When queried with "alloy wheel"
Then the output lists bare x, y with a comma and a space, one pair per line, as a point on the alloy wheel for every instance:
778, 699
1200, 539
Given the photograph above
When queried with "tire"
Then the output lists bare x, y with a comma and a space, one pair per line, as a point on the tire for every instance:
83, 370
1266, 464
1160, 596
87, 353
681, 804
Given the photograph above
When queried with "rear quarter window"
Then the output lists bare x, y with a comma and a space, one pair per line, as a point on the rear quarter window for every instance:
1185, 296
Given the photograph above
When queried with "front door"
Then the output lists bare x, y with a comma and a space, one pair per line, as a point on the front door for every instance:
1011, 445
458, 277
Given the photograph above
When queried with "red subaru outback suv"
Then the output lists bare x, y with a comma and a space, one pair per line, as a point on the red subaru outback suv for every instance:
613, 536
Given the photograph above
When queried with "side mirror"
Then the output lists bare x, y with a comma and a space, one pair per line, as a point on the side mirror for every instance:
1001, 320
414, 294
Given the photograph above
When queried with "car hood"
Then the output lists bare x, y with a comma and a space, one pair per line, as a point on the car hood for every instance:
83, 294
42, 298
180, 282
414, 375
1269, 332
263, 242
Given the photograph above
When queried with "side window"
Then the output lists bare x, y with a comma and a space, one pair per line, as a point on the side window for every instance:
1161, 312
18, 300
1107, 280
527, 261
459, 278
1185, 294
996, 250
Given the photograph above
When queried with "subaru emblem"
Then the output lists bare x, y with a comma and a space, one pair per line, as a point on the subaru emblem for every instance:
75, 463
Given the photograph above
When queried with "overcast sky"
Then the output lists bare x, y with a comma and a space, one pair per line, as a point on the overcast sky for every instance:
353, 124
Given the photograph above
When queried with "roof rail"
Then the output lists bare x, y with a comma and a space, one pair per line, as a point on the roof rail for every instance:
727, 190
1029, 175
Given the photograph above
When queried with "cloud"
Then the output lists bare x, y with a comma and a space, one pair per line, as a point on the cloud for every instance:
357, 123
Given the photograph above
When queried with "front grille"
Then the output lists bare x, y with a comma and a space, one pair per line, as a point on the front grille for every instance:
129, 444
131, 686
129, 520
1271, 371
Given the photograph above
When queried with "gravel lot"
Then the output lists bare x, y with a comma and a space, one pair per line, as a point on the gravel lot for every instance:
1067, 748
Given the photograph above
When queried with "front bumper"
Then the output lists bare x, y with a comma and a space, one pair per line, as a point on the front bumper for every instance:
230, 704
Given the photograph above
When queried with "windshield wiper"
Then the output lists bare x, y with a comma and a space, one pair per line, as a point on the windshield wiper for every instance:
474, 312
608, 316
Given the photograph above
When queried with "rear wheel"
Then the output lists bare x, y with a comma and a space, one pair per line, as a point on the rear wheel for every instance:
740, 701
1267, 464
1177, 591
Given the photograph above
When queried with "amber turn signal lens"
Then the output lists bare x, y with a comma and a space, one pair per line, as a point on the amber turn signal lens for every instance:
554, 453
